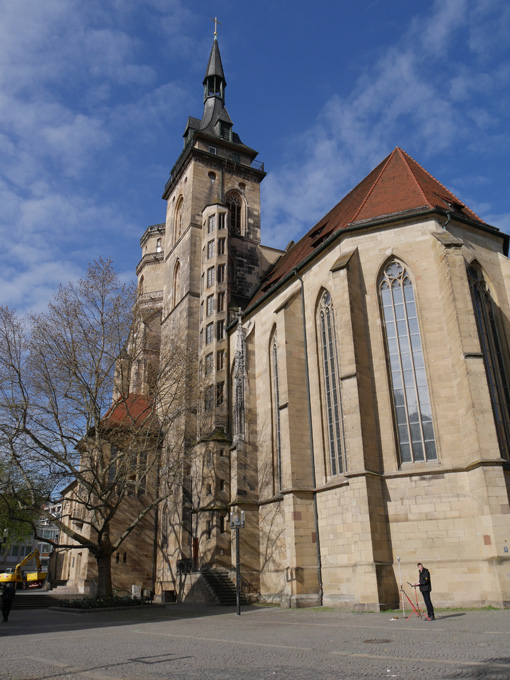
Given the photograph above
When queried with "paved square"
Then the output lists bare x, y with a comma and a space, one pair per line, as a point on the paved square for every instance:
210, 643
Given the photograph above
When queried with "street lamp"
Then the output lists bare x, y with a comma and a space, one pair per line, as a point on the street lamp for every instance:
237, 522
6, 533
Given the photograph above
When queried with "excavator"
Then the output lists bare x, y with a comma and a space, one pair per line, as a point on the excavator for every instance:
33, 579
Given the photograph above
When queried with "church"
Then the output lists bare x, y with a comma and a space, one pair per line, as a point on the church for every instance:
355, 402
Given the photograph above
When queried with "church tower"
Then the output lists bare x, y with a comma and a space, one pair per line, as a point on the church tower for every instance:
199, 269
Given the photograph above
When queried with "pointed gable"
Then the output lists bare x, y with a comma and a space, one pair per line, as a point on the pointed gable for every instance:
398, 185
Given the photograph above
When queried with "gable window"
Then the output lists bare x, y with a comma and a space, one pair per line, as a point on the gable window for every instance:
411, 401
489, 332
331, 385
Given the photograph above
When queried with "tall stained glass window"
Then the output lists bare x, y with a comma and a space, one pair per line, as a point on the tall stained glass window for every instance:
331, 385
490, 341
411, 399
276, 411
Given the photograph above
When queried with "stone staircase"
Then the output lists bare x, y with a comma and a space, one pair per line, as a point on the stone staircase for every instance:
221, 587
26, 599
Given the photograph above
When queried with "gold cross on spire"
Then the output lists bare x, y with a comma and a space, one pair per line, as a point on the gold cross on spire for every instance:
216, 22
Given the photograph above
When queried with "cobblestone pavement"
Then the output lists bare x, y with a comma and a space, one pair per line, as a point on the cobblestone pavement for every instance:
210, 643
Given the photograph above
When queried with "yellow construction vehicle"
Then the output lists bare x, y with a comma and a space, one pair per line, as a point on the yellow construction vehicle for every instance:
32, 578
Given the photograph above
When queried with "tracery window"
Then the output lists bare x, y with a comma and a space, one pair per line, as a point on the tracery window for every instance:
411, 399
331, 384
491, 342
234, 204
276, 411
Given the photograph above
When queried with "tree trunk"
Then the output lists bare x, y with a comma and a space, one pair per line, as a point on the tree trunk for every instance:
104, 575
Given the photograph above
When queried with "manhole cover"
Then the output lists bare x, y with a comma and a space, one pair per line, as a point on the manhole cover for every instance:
376, 642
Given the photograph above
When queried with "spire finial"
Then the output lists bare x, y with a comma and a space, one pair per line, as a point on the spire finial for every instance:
216, 22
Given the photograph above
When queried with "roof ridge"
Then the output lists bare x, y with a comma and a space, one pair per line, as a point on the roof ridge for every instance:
408, 156
405, 157
368, 194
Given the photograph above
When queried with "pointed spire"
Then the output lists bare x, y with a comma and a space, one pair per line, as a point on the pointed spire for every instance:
214, 81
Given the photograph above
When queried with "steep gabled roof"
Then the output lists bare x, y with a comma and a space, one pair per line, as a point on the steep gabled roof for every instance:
131, 411
398, 185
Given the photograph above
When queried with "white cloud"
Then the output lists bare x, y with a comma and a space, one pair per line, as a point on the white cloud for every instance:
73, 86
423, 93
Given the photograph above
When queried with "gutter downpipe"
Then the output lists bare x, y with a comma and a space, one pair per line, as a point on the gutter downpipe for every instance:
448, 218
312, 451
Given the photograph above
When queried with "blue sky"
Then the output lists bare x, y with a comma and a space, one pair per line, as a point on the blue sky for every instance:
94, 97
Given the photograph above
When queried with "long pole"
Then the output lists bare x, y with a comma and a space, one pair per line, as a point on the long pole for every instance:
238, 572
401, 589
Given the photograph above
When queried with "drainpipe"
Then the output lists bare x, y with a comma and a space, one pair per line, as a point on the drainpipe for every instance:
449, 217
312, 452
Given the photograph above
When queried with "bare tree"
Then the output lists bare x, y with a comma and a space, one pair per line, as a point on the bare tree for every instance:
89, 404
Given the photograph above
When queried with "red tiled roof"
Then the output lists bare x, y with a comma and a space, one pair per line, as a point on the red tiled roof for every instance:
133, 410
398, 184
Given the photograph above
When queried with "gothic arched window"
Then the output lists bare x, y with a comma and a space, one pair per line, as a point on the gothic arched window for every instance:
276, 411
491, 343
330, 383
234, 204
411, 399
178, 224
177, 283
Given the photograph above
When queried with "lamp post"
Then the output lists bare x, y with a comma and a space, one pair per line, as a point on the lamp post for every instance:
237, 522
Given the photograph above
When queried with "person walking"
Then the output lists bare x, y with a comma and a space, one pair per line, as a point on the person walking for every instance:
425, 589
8, 594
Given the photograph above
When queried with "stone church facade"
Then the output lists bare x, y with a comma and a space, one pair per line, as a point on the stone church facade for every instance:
355, 388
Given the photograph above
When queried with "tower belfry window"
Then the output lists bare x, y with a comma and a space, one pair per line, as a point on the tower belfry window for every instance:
234, 204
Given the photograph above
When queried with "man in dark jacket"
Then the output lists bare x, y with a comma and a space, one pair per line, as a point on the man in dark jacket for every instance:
425, 589
8, 594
